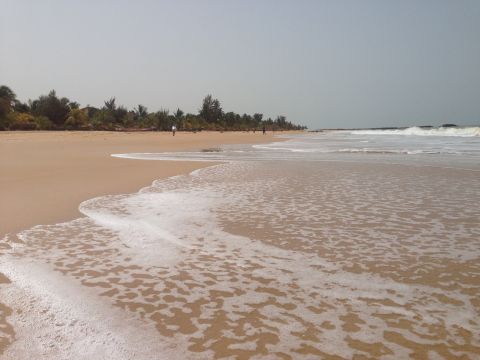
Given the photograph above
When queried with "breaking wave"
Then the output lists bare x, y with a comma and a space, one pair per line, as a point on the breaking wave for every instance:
418, 131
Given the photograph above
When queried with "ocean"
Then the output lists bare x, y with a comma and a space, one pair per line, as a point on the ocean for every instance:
362, 243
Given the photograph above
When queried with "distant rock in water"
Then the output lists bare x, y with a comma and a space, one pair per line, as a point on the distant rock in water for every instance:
449, 125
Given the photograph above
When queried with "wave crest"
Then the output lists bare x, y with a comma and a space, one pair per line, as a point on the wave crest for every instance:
418, 131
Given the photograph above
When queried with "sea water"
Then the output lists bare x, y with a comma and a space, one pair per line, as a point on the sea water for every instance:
342, 243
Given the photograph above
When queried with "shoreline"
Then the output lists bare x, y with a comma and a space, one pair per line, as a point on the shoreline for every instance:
281, 241
46, 175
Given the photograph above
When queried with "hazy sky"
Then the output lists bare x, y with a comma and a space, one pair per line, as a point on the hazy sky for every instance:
320, 63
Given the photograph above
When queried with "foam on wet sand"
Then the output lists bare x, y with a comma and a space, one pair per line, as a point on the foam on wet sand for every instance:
271, 259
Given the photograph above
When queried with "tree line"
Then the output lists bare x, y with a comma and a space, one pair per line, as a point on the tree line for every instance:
50, 112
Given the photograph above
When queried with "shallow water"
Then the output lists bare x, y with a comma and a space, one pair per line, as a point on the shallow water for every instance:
304, 254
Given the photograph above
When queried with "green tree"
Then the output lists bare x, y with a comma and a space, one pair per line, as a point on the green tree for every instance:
73, 105
7, 93
110, 105
51, 112
211, 110
257, 120
161, 120
281, 121
43, 123
103, 120
56, 109
141, 112
229, 119
118, 113
7, 99
128, 120
21, 107
179, 118
77, 119
21, 121
178, 114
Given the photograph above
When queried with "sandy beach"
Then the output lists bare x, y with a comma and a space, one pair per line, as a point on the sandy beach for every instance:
45, 175
296, 249
236, 180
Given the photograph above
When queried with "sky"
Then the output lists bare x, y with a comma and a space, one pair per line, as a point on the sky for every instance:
323, 64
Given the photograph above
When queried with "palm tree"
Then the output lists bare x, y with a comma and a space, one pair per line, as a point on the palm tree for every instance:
110, 104
141, 111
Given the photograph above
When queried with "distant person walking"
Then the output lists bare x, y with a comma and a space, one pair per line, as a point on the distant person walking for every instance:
264, 130
174, 129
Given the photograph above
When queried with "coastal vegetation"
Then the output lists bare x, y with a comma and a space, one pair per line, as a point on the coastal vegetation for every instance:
51, 112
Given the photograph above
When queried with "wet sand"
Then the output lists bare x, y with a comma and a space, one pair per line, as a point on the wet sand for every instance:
263, 259
44, 176
337, 261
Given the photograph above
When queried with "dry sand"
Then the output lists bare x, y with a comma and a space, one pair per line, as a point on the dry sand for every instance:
45, 175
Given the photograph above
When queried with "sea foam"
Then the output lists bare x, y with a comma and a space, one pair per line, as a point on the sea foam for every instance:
418, 131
